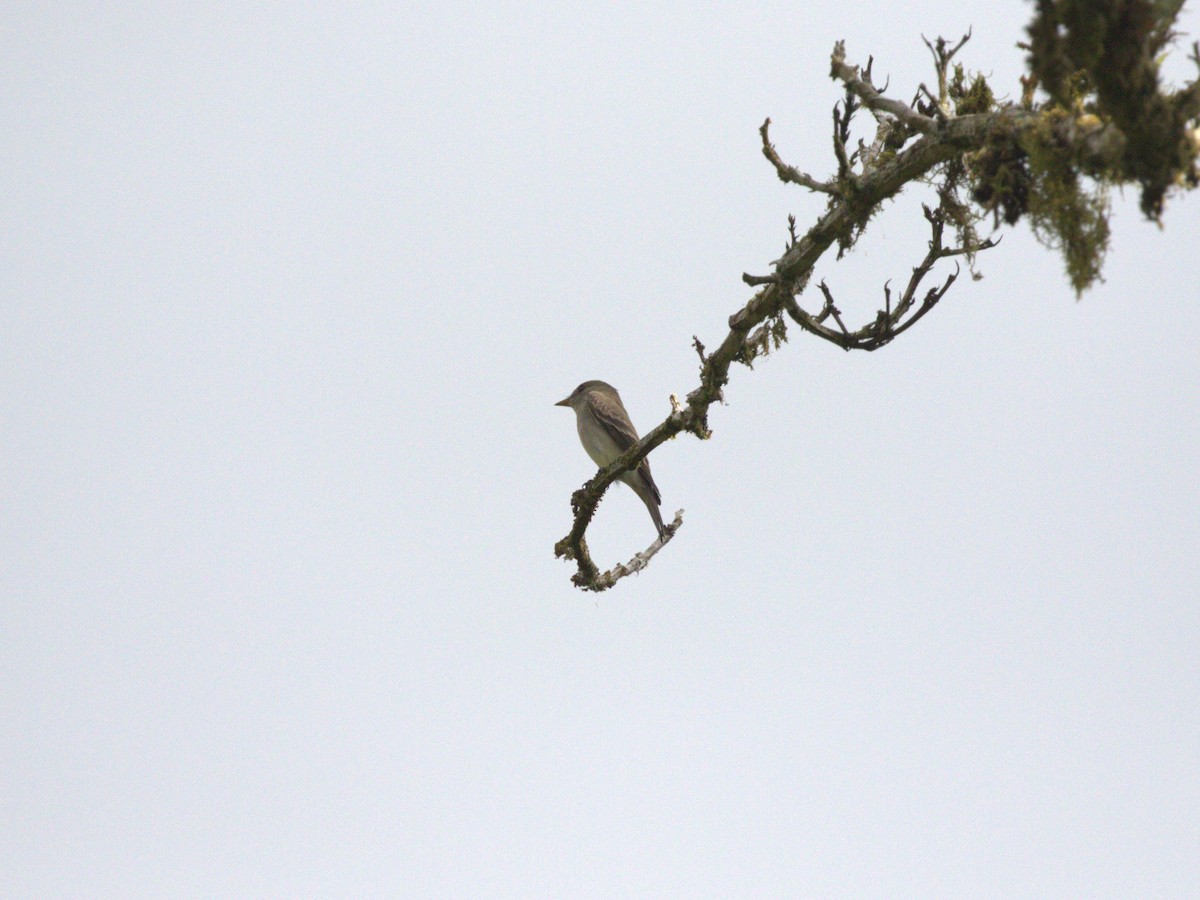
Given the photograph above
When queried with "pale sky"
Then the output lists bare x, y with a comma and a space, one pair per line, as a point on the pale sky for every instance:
287, 294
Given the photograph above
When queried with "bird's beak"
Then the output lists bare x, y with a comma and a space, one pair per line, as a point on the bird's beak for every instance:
566, 402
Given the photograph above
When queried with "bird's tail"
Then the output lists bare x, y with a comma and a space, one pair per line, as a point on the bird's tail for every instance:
649, 494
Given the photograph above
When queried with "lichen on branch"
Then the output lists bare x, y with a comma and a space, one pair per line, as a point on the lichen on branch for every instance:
1053, 161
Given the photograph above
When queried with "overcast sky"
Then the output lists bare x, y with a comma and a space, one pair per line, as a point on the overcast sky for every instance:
287, 293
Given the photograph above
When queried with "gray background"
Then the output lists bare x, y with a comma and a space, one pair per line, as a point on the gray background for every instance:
287, 294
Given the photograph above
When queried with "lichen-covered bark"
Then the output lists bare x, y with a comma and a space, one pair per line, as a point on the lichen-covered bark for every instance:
1103, 57
1052, 161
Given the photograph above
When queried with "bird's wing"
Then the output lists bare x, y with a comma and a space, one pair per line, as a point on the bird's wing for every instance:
615, 420
611, 414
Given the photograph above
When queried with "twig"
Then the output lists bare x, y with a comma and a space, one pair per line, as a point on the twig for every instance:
941, 62
839, 145
788, 173
602, 582
872, 98
832, 309
889, 321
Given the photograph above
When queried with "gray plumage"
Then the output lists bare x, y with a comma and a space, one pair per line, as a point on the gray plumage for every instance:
606, 432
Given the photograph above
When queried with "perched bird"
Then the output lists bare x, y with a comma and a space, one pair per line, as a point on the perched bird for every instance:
606, 432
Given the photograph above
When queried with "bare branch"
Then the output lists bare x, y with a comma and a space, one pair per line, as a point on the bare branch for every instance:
934, 102
962, 41
832, 309
872, 98
603, 581
889, 321
931, 299
942, 55
787, 173
840, 128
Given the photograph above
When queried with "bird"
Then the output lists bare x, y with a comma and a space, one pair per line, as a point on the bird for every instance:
606, 432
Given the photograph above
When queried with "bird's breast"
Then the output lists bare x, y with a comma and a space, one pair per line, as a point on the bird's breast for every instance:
599, 446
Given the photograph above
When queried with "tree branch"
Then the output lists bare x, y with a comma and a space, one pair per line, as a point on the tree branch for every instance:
788, 173
968, 146
860, 85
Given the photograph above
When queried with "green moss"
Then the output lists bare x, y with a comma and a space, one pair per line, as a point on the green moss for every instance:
1032, 174
1000, 177
1107, 55
1067, 212
973, 98
959, 214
